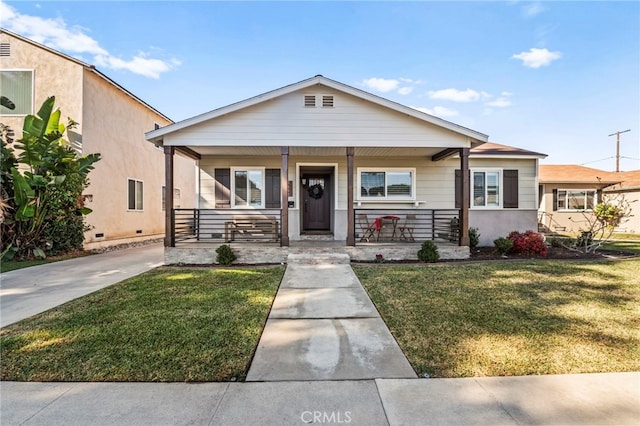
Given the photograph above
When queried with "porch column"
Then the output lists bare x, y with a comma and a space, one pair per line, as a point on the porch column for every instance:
284, 186
169, 225
466, 196
351, 216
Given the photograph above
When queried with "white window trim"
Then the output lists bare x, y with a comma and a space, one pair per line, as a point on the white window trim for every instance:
595, 199
163, 195
233, 186
359, 171
33, 91
500, 187
127, 192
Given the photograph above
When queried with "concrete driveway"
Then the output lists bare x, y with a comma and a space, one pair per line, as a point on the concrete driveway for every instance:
29, 291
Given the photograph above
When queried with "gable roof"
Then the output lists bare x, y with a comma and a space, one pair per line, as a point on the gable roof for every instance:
88, 67
156, 135
572, 173
493, 150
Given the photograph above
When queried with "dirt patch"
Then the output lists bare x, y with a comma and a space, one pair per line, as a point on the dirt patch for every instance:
491, 253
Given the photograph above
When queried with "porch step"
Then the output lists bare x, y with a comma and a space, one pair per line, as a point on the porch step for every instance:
316, 237
317, 258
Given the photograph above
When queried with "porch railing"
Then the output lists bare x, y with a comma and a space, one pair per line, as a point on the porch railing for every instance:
226, 225
407, 225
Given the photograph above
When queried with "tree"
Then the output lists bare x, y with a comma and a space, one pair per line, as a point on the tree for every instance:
606, 216
43, 202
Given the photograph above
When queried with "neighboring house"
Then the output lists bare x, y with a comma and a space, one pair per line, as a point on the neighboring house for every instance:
319, 159
568, 194
629, 188
126, 189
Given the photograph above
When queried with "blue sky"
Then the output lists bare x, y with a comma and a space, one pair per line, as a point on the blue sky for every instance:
553, 77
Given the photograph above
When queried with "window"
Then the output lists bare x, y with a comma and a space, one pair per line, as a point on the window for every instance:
176, 197
248, 187
135, 194
391, 183
17, 85
576, 199
485, 189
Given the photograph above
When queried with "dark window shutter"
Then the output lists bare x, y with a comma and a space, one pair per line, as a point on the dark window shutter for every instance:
510, 180
555, 200
272, 188
223, 188
457, 186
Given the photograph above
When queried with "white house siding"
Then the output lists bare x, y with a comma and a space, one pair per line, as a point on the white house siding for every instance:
495, 223
286, 121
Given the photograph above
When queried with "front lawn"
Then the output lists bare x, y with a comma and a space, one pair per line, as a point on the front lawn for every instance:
511, 318
167, 325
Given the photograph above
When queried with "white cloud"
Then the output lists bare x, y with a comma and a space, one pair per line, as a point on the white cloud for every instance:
405, 90
533, 9
536, 58
381, 84
501, 102
55, 34
456, 95
438, 111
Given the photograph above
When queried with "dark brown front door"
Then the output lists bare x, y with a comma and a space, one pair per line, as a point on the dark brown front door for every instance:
316, 202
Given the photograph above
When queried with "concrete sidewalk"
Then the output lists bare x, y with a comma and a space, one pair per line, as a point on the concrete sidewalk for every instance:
323, 326
583, 399
29, 291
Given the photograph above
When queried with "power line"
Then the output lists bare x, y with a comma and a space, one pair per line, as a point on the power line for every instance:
596, 161
617, 134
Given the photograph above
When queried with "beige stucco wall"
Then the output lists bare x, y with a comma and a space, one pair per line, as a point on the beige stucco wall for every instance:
112, 123
565, 221
53, 75
114, 126
630, 224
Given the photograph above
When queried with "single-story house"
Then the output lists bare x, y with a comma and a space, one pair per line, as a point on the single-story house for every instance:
322, 160
629, 188
568, 194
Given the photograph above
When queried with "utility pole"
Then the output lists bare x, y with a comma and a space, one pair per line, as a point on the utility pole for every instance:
617, 135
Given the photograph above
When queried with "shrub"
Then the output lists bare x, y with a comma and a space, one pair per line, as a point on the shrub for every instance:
503, 245
528, 243
225, 256
474, 237
428, 252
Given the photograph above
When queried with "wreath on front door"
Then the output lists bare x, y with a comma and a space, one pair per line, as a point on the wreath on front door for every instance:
316, 192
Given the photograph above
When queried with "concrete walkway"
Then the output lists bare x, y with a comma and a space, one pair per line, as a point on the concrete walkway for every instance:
323, 326
583, 399
29, 291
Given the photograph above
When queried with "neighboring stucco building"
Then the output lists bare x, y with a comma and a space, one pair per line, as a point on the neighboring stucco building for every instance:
568, 194
629, 188
319, 159
126, 189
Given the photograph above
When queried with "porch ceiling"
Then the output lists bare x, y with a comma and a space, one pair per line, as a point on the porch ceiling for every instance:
315, 151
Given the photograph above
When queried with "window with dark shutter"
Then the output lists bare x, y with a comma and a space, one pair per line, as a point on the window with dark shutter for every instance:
510, 195
555, 200
272, 194
458, 187
223, 188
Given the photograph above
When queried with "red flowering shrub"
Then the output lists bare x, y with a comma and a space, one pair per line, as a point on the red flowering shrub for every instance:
528, 243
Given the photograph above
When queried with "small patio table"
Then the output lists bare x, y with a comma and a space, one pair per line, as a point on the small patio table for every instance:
379, 225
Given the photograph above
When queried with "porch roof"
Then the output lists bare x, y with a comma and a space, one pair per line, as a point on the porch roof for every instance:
470, 137
268, 151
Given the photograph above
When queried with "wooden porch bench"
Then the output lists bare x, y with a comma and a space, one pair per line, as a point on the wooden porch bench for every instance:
251, 227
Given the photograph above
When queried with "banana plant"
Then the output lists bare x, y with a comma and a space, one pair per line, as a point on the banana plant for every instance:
47, 161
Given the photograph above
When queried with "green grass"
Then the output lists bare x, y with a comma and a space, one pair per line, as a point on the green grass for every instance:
627, 246
512, 318
12, 265
167, 325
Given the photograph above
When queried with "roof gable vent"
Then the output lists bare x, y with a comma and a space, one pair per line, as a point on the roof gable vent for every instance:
310, 101
5, 49
327, 101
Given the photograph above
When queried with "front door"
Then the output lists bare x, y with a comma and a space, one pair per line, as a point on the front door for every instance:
316, 202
